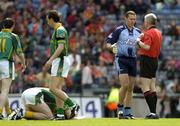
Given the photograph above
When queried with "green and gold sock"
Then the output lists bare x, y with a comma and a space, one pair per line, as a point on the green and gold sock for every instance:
59, 111
1, 110
28, 114
8, 110
69, 102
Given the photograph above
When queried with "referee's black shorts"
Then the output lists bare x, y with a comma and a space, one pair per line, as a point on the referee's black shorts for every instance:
148, 67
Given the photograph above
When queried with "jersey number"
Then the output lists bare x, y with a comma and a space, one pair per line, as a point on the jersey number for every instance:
2, 44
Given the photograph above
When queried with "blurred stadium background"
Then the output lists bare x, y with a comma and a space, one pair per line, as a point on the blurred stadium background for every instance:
92, 75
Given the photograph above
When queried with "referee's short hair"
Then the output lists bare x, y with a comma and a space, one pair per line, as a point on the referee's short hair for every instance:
150, 18
55, 15
129, 13
7, 23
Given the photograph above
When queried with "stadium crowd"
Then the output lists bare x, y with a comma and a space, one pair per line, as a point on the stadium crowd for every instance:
88, 23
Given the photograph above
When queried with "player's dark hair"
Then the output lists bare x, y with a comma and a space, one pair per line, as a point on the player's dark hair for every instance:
54, 15
7, 23
129, 13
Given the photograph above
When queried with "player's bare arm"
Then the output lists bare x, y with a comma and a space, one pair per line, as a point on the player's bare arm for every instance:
22, 58
54, 56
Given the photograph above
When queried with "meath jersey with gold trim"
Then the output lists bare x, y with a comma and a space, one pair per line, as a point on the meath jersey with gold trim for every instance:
59, 36
9, 42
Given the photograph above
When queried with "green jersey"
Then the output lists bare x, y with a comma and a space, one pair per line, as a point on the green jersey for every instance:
59, 36
9, 42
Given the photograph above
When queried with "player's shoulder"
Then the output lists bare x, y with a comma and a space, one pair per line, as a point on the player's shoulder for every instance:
61, 29
137, 29
14, 35
120, 27
60, 32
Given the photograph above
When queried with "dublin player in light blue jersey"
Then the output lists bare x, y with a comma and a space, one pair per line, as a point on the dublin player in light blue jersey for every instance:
123, 43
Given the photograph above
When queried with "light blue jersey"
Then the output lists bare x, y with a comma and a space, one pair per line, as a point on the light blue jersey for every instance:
125, 40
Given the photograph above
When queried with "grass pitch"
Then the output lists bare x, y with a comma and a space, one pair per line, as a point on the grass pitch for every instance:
93, 122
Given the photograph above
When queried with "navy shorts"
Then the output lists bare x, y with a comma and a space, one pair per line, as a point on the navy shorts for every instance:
126, 65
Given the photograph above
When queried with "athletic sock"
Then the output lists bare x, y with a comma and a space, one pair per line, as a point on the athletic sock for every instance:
69, 102
59, 111
1, 110
8, 110
127, 111
150, 100
154, 95
120, 107
28, 114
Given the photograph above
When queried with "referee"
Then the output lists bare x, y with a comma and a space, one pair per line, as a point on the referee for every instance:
149, 44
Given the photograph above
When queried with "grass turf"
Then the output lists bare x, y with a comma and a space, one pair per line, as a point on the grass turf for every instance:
93, 122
